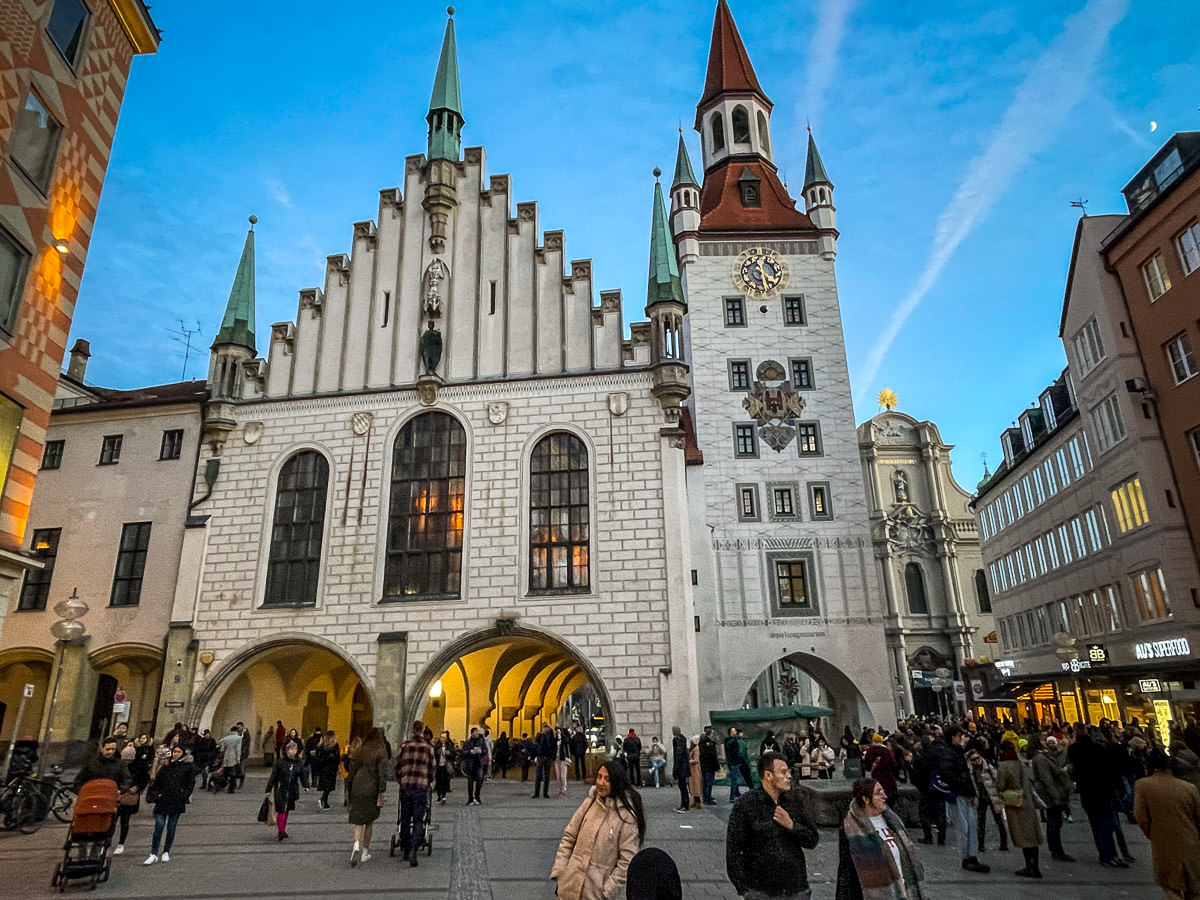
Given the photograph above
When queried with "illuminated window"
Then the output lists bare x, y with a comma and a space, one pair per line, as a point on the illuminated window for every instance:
1154, 273
793, 585
1150, 594
425, 519
559, 510
808, 438
1129, 505
818, 501
36, 588
296, 531
131, 564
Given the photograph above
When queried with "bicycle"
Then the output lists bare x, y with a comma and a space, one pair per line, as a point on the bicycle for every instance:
61, 794
23, 805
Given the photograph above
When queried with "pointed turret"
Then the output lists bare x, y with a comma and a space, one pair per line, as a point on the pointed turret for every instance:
818, 199
685, 206
445, 115
234, 344
665, 308
729, 67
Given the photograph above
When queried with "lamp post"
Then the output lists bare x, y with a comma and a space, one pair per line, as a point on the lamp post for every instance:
67, 629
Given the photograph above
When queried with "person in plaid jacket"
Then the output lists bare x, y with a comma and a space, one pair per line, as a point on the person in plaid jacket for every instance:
414, 771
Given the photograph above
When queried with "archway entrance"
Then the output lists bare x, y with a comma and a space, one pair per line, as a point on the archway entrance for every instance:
296, 681
513, 682
801, 679
136, 671
18, 668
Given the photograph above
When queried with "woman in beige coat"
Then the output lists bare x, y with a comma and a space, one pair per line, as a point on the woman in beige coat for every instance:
1015, 787
694, 777
600, 840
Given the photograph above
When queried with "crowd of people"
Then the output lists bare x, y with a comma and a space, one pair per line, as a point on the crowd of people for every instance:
1027, 781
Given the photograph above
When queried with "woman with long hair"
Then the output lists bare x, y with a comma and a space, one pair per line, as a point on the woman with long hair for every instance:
562, 758
285, 780
325, 766
347, 755
443, 758
600, 840
172, 786
368, 779
875, 857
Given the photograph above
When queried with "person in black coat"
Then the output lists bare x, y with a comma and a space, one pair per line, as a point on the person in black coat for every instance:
709, 763
105, 764
169, 792
680, 767
285, 779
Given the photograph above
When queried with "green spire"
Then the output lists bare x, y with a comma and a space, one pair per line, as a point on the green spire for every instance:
683, 166
663, 284
445, 116
814, 169
238, 325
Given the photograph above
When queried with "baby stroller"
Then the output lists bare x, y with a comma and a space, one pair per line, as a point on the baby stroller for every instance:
427, 844
86, 849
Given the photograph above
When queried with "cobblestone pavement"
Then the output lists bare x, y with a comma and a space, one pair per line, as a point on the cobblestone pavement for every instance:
501, 850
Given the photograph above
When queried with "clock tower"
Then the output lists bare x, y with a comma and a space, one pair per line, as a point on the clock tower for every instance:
788, 589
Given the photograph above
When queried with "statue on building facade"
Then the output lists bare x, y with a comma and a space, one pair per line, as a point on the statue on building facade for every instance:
900, 485
431, 348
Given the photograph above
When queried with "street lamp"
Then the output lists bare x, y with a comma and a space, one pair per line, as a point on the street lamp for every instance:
67, 629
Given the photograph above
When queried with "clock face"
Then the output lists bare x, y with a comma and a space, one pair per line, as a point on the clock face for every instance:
760, 272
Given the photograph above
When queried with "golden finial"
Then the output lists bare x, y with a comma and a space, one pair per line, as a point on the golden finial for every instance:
887, 399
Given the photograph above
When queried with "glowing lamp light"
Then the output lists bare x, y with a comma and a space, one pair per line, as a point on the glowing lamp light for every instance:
436, 690
42, 545
62, 246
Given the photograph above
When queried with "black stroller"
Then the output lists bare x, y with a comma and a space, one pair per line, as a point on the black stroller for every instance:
427, 844
86, 849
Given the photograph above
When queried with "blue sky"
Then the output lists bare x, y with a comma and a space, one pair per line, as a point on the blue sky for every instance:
956, 135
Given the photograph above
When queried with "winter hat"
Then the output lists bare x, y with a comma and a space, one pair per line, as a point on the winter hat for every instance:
877, 739
653, 875
1051, 741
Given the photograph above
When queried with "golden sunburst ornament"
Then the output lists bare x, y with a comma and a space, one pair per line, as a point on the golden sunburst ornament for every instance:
887, 399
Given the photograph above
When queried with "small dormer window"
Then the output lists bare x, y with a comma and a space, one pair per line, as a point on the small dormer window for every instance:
750, 188
741, 125
718, 132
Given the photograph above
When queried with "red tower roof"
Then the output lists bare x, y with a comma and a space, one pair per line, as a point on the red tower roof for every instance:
729, 68
721, 206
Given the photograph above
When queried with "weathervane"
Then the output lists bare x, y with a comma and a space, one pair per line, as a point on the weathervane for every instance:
1080, 205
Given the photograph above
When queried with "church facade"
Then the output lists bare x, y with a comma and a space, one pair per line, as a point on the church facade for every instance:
456, 486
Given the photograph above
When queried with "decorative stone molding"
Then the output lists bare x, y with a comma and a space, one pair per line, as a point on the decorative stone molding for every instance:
618, 403
497, 411
581, 269
473, 156
527, 211
360, 422
427, 389
254, 371
252, 432
610, 301
284, 333
499, 184
365, 231
313, 300
554, 241
414, 164
338, 265
908, 531
390, 199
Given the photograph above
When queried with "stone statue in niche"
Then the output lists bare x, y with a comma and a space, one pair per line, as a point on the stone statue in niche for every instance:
434, 276
431, 348
900, 485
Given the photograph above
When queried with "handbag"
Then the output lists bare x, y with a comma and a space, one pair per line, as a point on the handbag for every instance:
129, 798
1013, 797
264, 810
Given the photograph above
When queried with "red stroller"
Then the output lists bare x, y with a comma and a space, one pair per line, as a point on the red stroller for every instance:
86, 849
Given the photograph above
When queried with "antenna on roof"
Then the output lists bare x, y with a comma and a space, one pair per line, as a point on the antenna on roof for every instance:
1080, 205
184, 336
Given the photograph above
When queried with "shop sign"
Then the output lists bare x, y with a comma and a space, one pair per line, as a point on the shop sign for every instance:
991, 638
1162, 714
1160, 649
960, 691
1076, 665
1005, 667
1097, 655
1150, 686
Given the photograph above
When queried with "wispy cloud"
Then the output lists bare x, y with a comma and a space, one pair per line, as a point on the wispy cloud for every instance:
822, 55
1128, 130
1057, 80
278, 192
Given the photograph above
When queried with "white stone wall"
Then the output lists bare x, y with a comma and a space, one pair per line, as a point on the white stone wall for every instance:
733, 597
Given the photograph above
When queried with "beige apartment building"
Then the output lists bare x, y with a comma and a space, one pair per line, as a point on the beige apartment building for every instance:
1093, 581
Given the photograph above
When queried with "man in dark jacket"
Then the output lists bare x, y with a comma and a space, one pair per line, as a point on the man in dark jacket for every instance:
949, 763
733, 764
633, 757
709, 763
105, 764
767, 836
1097, 781
931, 806
546, 746
579, 748
680, 768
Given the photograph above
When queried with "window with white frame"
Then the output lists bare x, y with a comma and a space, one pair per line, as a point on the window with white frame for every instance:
1038, 487
1076, 457
1064, 470
1154, 273
1064, 543
819, 505
1188, 244
783, 501
1089, 348
747, 499
1129, 505
1150, 595
1051, 481
1052, 549
1028, 493
1106, 416
1183, 361
1077, 533
1093, 530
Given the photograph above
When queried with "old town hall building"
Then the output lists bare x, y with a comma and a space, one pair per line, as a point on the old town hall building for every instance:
456, 486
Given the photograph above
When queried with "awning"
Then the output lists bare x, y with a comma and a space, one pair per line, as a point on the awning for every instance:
1009, 691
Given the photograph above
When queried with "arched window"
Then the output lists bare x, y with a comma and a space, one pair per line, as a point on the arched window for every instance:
914, 585
741, 125
823, 196
559, 532
764, 137
718, 132
425, 520
981, 592
296, 531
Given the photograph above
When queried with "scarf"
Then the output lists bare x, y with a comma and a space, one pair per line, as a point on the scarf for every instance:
878, 874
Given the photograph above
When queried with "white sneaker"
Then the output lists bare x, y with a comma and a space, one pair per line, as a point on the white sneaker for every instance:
166, 857
150, 860
118, 850
366, 854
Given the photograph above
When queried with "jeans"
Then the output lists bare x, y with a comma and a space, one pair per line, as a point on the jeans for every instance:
541, 782
474, 783
656, 766
735, 780
1102, 815
168, 821
966, 824
707, 776
413, 803
1055, 813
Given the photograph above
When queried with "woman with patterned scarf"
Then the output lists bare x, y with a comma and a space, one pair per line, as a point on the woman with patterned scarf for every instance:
876, 860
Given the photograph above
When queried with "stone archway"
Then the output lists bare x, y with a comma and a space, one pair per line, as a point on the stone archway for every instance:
137, 670
304, 681
828, 686
510, 677
18, 667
